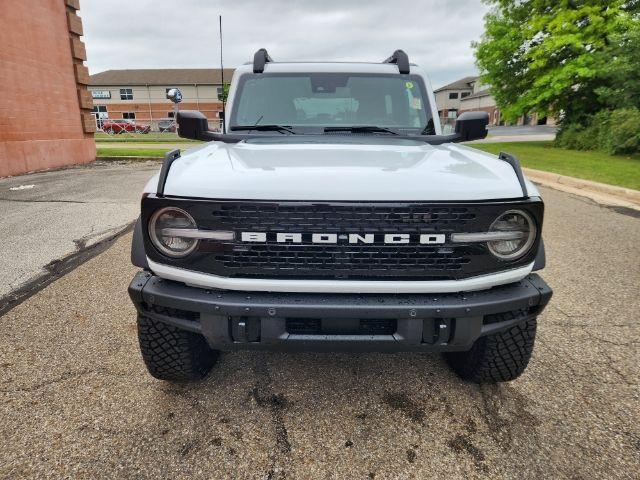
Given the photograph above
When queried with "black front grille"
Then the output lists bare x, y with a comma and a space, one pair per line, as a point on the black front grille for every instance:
338, 218
342, 260
354, 261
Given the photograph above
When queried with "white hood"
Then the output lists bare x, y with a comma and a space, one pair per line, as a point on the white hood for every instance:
347, 169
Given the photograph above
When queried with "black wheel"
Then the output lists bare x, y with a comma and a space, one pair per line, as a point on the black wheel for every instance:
500, 357
173, 354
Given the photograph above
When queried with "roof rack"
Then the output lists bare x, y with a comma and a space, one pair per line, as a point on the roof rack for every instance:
260, 58
400, 58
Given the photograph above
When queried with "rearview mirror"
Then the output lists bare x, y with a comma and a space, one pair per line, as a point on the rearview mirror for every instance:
192, 124
472, 126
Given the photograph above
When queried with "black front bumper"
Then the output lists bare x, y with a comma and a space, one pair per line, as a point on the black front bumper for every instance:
232, 320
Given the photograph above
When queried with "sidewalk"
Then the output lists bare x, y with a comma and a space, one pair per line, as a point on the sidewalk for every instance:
598, 192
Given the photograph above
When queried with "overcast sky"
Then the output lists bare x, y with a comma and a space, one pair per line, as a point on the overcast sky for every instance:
173, 34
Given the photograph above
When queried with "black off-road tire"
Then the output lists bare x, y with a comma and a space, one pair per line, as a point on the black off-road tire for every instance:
499, 357
174, 354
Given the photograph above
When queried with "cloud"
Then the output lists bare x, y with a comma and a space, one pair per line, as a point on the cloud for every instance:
170, 34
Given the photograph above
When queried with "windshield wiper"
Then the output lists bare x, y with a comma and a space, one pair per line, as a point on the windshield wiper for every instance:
264, 128
360, 129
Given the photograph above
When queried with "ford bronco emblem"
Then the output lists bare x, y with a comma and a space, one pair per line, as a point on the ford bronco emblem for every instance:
350, 238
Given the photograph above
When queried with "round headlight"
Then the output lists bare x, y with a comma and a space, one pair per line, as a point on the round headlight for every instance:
519, 234
164, 230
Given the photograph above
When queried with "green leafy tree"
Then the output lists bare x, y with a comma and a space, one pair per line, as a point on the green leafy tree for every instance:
622, 71
548, 56
225, 93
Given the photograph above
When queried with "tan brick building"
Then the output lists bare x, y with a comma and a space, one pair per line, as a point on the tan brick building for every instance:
140, 95
45, 110
467, 95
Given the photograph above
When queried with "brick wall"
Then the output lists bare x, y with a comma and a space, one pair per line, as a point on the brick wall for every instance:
45, 111
158, 111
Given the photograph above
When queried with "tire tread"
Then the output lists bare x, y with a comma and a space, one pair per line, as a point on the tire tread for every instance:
500, 357
173, 354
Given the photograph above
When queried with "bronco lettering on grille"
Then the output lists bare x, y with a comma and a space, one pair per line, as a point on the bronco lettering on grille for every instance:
351, 238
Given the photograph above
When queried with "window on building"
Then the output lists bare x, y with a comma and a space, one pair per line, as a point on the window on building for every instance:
453, 95
465, 94
129, 115
126, 94
452, 114
99, 112
171, 114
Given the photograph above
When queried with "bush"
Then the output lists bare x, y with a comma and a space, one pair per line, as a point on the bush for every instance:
615, 132
624, 131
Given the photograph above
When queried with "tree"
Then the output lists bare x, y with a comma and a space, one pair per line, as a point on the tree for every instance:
548, 56
225, 93
622, 72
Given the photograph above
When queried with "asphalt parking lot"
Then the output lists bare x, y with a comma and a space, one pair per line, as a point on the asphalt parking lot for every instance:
77, 402
47, 217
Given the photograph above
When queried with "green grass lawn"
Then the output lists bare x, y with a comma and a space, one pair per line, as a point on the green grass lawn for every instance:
620, 170
132, 152
153, 137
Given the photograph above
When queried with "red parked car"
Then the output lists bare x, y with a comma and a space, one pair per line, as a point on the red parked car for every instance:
122, 126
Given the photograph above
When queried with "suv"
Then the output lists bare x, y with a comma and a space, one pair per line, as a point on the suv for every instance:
331, 213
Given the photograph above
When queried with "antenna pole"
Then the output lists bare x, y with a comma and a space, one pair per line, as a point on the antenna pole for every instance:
224, 117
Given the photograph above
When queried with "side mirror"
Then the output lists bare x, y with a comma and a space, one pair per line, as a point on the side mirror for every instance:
192, 124
175, 95
472, 126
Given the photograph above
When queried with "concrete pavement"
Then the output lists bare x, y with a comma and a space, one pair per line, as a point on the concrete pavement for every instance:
76, 401
48, 216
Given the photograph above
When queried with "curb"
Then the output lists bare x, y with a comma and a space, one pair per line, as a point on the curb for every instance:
599, 192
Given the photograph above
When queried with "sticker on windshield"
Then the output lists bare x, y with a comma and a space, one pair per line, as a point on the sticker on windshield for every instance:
416, 103
409, 84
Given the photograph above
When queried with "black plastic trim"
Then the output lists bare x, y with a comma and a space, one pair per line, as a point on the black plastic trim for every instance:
219, 308
138, 254
515, 164
401, 59
169, 158
260, 58
541, 257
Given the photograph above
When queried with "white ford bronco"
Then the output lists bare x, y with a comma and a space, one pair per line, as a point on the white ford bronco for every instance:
332, 214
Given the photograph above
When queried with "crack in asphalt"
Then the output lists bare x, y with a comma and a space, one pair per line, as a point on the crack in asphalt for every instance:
80, 202
587, 379
63, 378
264, 397
60, 267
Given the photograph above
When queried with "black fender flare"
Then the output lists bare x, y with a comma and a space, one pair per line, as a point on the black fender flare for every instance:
541, 258
138, 253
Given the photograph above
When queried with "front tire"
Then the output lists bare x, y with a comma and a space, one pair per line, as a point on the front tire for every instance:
499, 357
173, 354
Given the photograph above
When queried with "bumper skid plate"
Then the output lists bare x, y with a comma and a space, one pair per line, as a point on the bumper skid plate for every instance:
232, 320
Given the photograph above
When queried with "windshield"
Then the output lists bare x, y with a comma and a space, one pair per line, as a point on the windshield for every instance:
310, 102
